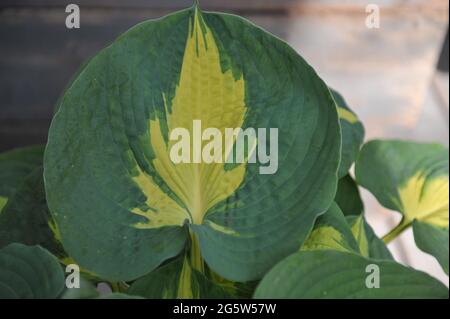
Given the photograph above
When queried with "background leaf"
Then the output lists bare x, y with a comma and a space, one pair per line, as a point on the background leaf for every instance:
333, 274
15, 165
352, 134
29, 272
26, 218
432, 240
359, 232
348, 197
177, 279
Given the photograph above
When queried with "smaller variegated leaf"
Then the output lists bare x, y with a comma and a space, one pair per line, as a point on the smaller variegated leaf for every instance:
352, 133
176, 279
331, 231
369, 244
411, 178
26, 219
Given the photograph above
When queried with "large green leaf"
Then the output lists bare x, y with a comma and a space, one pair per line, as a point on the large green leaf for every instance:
331, 231
334, 274
411, 178
26, 219
29, 272
15, 165
348, 197
177, 279
432, 240
123, 207
352, 134
74, 76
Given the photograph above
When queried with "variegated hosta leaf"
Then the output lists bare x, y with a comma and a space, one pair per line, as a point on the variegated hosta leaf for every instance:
29, 272
348, 197
123, 207
15, 165
26, 218
177, 279
359, 232
335, 274
331, 231
433, 240
352, 134
411, 178
369, 244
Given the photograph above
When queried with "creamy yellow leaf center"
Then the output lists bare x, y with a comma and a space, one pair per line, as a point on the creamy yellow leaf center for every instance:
425, 199
214, 96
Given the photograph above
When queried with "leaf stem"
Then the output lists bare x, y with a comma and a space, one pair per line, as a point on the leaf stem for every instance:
195, 254
397, 230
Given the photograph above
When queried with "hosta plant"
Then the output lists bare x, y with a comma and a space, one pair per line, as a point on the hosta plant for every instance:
107, 195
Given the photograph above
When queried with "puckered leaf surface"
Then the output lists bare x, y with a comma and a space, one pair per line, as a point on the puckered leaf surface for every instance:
123, 207
29, 272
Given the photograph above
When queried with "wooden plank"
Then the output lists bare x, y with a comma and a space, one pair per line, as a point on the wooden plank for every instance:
383, 73
39, 56
236, 5
160, 4
19, 132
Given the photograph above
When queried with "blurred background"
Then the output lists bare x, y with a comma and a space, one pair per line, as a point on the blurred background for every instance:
395, 77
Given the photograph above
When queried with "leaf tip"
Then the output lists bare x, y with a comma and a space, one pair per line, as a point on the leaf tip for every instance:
196, 5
